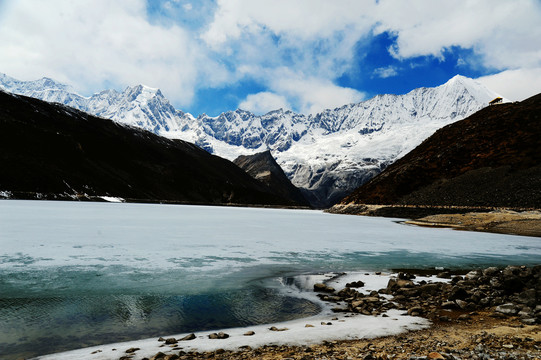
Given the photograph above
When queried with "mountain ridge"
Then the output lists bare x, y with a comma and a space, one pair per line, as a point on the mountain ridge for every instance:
52, 151
327, 155
490, 159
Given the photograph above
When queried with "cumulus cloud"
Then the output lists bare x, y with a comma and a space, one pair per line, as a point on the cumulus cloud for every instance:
515, 85
263, 102
311, 94
303, 19
504, 33
95, 44
92, 44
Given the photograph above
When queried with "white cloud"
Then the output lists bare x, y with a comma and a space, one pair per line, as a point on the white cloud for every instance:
91, 44
312, 94
386, 72
515, 85
502, 35
301, 19
505, 33
263, 102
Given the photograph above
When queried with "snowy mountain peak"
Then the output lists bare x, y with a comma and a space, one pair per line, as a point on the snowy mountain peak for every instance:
326, 154
477, 90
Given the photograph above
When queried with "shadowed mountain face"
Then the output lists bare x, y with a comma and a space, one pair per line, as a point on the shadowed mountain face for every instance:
264, 168
55, 152
327, 155
492, 158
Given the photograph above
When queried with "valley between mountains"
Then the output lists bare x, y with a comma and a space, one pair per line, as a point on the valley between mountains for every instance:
433, 150
326, 155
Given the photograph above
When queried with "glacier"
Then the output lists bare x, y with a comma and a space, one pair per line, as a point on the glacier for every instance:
327, 155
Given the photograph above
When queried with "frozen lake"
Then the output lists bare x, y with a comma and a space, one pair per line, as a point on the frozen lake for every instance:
79, 274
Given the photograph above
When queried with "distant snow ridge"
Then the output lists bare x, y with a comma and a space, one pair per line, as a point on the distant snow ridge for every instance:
327, 155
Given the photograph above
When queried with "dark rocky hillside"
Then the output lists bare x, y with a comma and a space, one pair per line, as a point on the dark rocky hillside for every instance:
490, 159
55, 152
264, 168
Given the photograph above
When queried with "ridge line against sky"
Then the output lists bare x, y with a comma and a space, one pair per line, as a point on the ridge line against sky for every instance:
259, 55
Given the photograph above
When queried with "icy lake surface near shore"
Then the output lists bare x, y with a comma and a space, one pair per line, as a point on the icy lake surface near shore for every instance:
83, 274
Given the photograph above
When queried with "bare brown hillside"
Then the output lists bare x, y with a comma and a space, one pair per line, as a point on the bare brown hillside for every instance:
490, 159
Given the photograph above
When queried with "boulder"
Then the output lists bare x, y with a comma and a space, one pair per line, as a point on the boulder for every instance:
527, 297
472, 275
491, 271
458, 292
188, 337
220, 335
507, 309
355, 284
449, 305
158, 356
415, 311
320, 287
394, 284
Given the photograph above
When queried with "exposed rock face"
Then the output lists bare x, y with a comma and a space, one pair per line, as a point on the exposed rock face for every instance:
264, 168
327, 155
55, 152
492, 158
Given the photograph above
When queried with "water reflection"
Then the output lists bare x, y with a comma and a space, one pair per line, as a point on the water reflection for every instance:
37, 326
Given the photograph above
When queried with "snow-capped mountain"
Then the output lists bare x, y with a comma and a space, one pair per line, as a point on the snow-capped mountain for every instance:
327, 155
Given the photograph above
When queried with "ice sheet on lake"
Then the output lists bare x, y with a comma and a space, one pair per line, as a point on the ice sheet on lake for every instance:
342, 326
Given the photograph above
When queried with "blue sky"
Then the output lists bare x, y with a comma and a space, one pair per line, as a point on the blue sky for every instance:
259, 55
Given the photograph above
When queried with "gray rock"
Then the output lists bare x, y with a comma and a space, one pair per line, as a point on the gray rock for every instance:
507, 309
472, 275
188, 337
491, 271
449, 305
220, 335
461, 304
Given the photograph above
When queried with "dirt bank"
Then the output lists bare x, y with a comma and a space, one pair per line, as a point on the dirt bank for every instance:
526, 223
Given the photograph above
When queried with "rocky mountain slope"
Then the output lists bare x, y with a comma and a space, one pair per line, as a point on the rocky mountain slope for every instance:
264, 168
327, 154
56, 152
490, 159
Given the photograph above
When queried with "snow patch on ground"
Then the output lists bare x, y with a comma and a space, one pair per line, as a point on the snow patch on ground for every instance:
112, 199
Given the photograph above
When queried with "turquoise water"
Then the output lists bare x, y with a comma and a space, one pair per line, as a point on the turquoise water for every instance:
79, 274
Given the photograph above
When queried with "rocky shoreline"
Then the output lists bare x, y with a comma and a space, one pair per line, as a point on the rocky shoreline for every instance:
492, 313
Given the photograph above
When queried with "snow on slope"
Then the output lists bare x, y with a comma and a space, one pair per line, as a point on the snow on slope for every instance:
327, 155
